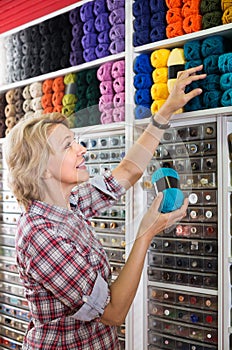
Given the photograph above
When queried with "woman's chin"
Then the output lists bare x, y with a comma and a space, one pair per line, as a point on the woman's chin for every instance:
82, 175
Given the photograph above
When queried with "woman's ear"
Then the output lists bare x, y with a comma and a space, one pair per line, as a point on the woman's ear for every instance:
46, 175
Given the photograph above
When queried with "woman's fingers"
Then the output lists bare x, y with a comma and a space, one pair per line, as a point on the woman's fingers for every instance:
188, 72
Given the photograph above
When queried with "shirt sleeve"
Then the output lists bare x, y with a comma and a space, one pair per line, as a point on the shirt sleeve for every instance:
62, 267
94, 304
101, 192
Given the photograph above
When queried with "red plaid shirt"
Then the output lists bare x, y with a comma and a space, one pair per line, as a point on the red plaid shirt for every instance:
59, 259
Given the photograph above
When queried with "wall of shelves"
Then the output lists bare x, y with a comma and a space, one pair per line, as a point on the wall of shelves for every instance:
135, 333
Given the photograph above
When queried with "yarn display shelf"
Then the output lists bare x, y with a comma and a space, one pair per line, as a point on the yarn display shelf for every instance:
100, 128
178, 41
194, 115
186, 288
62, 72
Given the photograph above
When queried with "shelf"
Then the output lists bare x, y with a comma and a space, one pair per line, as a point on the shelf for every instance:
186, 288
101, 128
194, 115
179, 41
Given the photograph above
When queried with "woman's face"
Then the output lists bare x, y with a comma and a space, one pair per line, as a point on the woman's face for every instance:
67, 164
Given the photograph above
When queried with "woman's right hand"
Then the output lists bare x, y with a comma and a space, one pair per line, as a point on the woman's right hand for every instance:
154, 222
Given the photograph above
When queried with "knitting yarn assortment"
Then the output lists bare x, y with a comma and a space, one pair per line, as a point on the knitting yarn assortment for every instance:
156, 73
142, 83
159, 90
38, 49
93, 30
214, 53
158, 20
89, 97
149, 21
112, 88
2, 115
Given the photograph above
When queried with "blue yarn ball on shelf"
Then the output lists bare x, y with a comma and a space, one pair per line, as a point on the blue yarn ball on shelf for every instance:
173, 197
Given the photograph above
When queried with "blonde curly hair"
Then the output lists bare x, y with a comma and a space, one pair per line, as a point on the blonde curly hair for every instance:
26, 150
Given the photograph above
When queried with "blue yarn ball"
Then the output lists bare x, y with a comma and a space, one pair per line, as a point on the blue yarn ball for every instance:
173, 197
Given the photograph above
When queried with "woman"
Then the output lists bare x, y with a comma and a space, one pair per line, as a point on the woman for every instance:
63, 266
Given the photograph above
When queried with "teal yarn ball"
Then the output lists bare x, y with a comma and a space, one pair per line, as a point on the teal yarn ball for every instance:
167, 181
173, 199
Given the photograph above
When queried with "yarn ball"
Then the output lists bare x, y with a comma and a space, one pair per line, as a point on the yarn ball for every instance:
160, 75
176, 63
214, 45
141, 112
225, 63
227, 15
211, 82
142, 64
212, 19
173, 197
212, 99
209, 6
226, 99
192, 50
225, 4
156, 105
159, 58
226, 81
211, 64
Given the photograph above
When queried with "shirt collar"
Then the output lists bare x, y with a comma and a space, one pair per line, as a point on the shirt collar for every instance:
51, 212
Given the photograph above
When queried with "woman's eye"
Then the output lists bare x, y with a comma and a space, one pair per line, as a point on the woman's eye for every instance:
68, 145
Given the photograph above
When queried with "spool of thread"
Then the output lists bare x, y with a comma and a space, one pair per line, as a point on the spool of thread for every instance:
166, 180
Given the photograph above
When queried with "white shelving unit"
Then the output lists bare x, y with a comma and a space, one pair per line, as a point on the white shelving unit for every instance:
136, 323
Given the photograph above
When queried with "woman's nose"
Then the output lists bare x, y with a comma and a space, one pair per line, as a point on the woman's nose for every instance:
79, 147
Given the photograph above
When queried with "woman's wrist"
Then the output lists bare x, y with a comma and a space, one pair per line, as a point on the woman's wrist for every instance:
159, 121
